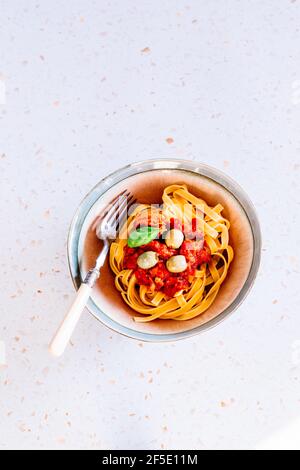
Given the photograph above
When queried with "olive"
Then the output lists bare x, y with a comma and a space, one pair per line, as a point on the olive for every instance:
176, 264
147, 260
174, 238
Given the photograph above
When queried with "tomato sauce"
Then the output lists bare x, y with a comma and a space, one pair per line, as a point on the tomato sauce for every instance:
161, 249
159, 278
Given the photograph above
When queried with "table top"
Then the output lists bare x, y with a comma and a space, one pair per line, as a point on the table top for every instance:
89, 88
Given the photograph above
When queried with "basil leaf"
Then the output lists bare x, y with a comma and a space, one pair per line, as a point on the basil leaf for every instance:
142, 236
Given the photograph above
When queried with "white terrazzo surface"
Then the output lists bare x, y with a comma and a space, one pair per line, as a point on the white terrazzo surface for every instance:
86, 87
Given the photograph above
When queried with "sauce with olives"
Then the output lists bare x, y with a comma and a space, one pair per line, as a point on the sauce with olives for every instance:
195, 251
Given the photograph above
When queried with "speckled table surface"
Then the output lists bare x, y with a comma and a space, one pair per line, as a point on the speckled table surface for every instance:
90, 86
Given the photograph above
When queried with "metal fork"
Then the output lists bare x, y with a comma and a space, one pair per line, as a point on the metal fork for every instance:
107, 227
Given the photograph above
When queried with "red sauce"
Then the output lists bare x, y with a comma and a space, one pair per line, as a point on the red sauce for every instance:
195, 252
160, 248
130, 257
159, 278
174, 285
143, 277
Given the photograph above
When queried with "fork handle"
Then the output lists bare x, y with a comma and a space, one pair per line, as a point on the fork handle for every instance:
65, 331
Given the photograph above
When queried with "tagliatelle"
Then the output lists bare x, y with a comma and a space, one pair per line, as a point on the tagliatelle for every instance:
204, 286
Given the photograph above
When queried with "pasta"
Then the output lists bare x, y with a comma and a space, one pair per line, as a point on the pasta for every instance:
190, 257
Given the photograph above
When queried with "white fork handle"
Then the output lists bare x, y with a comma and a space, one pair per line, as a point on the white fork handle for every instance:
65, 331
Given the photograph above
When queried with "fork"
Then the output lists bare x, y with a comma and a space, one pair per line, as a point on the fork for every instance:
107, 227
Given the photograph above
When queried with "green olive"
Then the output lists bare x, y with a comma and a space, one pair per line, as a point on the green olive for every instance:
174, 238
176, 264
147, 260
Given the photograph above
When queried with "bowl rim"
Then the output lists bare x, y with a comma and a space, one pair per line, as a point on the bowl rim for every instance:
167, 164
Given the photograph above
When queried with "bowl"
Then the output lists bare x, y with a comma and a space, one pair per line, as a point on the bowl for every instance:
146, 180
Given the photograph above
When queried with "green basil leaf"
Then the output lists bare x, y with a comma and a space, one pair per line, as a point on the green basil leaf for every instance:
142, 236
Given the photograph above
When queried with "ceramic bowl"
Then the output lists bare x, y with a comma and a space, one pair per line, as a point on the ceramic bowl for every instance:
146, 180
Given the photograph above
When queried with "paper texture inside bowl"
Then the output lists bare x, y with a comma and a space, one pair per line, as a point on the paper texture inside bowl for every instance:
148, 188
